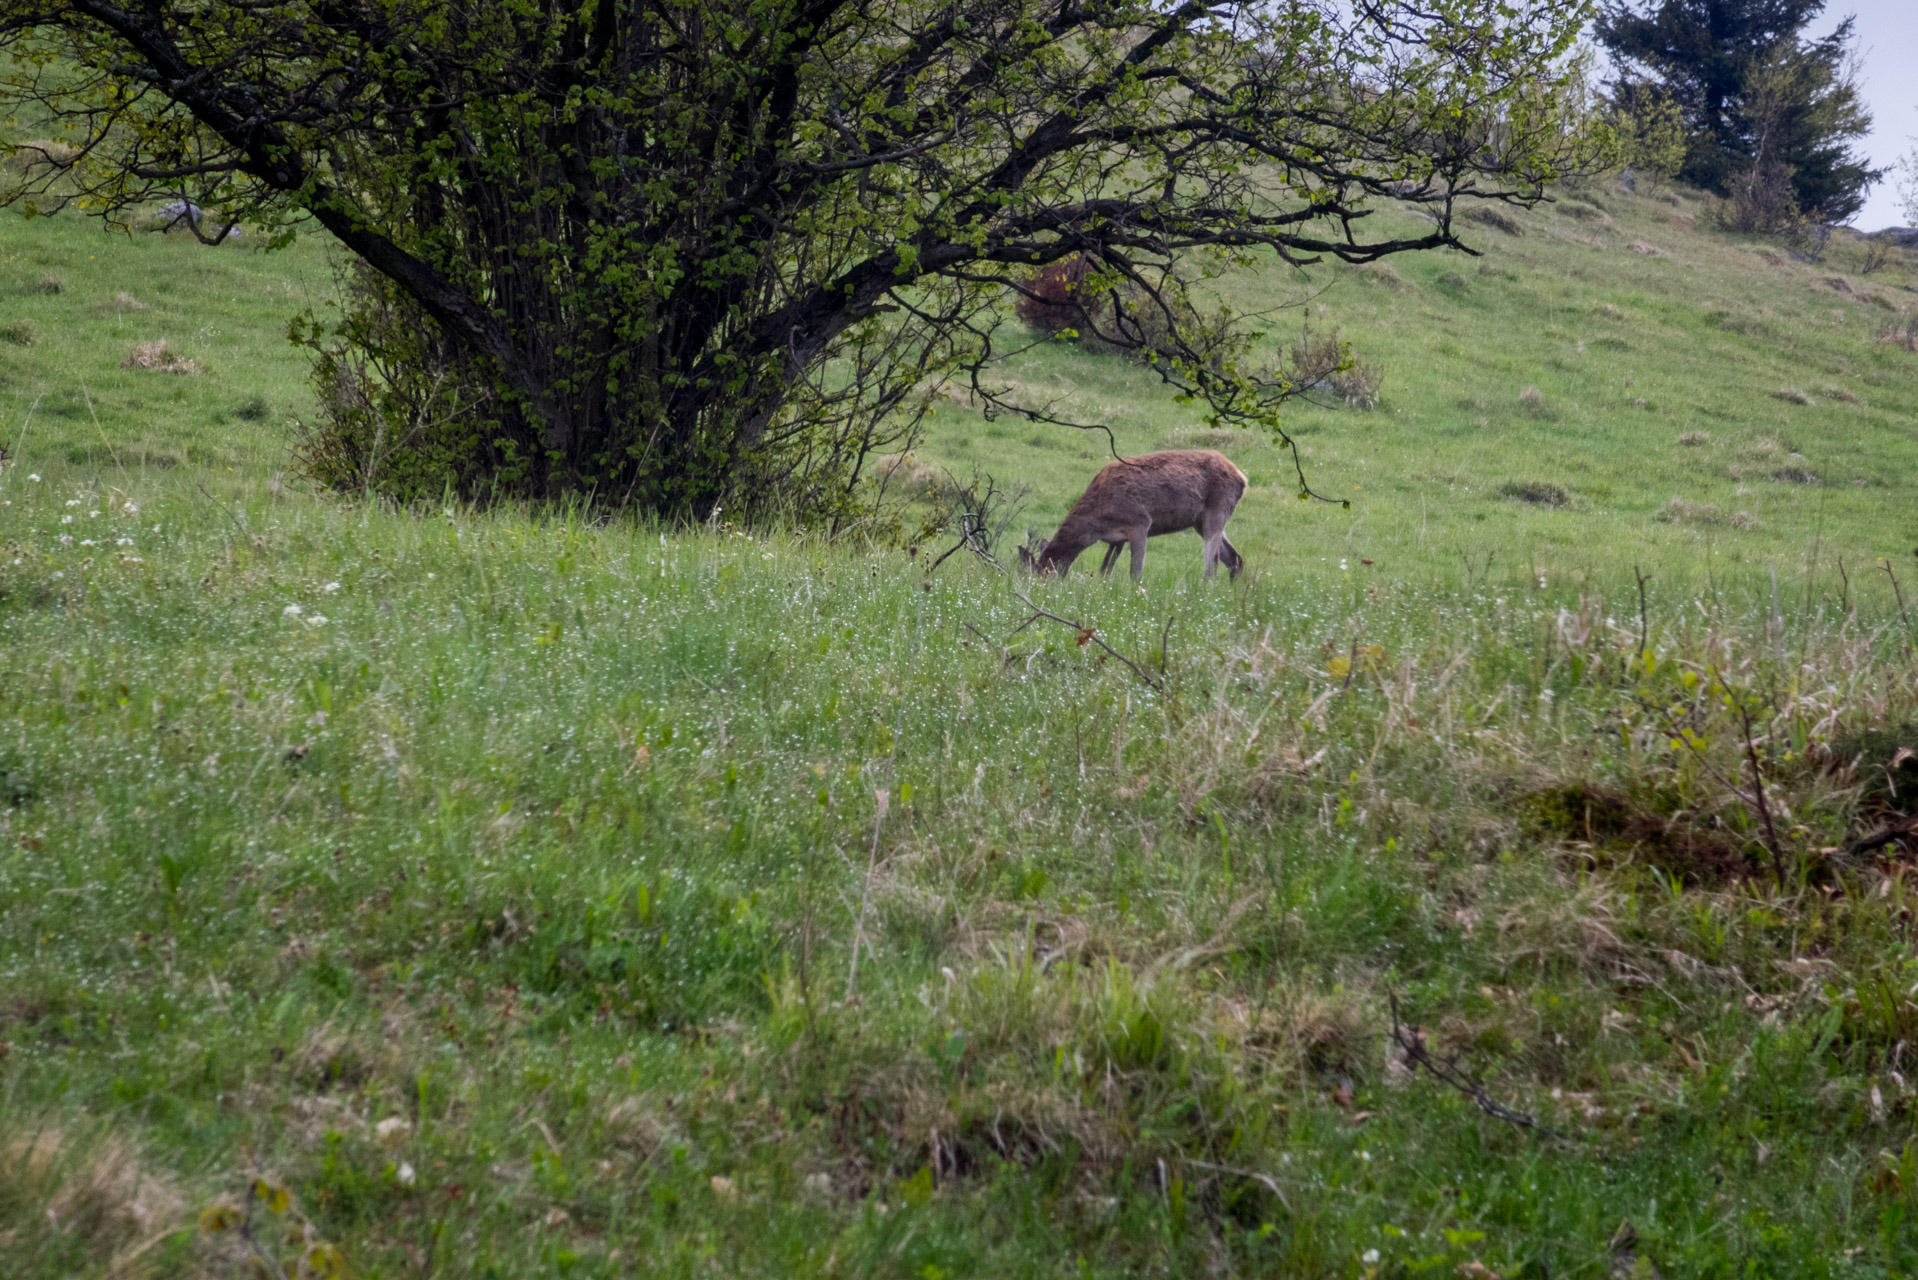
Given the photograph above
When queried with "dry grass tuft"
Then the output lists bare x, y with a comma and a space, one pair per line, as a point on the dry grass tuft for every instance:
1498, 219
18, 333
1792, 395
1695, 439
157, 357
127, 302
1686, 512
1792, 473
1380, 273
49, 284
1537, 492
1209, 438
56, 1185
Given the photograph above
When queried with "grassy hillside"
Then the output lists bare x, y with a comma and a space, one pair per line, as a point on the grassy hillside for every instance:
473, 894
1669, 364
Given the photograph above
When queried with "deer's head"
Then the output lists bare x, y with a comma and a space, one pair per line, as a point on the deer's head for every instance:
1031, 562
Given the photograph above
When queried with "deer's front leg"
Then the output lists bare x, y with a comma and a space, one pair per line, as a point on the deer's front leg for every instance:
1138, 551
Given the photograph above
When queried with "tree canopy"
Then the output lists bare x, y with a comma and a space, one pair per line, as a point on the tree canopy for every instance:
698, 252
1757, 96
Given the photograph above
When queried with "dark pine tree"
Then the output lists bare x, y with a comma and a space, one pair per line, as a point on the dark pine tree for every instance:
1758, 97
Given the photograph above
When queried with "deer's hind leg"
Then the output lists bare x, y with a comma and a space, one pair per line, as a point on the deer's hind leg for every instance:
1234, 562
1112, 556
1212, 531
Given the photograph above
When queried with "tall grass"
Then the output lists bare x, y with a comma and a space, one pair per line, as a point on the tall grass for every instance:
480, 893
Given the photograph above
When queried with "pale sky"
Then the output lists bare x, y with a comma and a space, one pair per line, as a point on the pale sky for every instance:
1888, 48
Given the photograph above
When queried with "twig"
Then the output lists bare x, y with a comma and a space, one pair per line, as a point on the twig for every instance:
1165, 639
1085, 634
1844, 598
1755, 801
1884, 836
1898, 591
1644, 617
222, 506
1264, 1180
865, 893
1411, 1041
111, 451
1758, 790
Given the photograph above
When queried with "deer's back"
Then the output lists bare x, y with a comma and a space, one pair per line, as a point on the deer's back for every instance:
1174, 488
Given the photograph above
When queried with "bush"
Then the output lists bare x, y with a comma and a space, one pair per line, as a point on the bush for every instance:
1762, 202
1325, 361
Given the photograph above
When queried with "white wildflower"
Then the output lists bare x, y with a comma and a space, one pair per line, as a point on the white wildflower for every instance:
1370, 1257
405, 1174
66, 539
88, 542
33, 476
131, 508
59, 573
93, 515
73, 502
392, 1131
292, 611
330, 588
316, 620
123, 542
66, 519
431, 576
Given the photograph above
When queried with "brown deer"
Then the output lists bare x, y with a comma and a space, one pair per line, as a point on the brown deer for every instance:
1138, 498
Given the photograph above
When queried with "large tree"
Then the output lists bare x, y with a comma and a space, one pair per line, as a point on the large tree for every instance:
1758, 97
690, 252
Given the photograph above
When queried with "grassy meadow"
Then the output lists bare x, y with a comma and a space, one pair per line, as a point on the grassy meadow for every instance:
465, 893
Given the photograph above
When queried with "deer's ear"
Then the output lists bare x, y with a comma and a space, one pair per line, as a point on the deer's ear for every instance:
1026, 561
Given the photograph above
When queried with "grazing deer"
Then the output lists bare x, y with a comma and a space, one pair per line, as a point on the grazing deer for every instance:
1138, 498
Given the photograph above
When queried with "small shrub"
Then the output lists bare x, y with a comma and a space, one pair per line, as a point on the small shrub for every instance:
1744, 521
1877, 257
254, 410
50, 284
1902, 332
1792, 395
1326, 361
1452, 280
1695, 439
1532, 403
1792, 473
1537, 492
1762, 203
157, 357
1585, 212
1840, 394
17, 333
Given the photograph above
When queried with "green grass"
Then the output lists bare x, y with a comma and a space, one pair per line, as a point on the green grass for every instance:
1630, 352
505, 918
